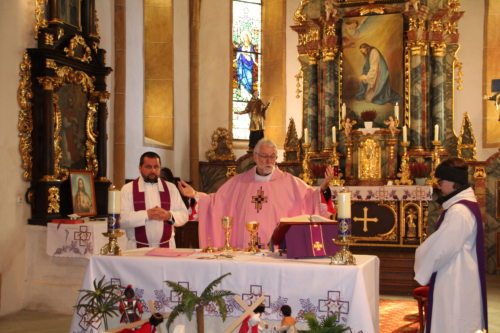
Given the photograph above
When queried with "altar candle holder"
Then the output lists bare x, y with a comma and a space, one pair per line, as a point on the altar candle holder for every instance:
436, 160
343, 256
337, 175
227, 224
252, 228
404, 173
306, 174
112, 248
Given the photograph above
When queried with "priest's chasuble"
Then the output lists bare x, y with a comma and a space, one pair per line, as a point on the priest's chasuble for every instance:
246, 199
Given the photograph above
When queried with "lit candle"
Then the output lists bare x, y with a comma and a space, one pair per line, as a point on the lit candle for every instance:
436, 132
334, 134
396, 110
114, 201
344, 205
405, 134
344, 111
306, 136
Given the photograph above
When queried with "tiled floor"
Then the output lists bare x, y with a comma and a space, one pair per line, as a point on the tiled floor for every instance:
39, 322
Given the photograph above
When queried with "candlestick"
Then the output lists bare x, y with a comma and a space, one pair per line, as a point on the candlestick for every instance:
306, 136
396, 111
334, 134
405, 134
344, 205
114, 200
436, 132
344, 110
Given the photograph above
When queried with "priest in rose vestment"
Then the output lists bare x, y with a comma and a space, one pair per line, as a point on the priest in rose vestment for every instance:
263, 194
151, 207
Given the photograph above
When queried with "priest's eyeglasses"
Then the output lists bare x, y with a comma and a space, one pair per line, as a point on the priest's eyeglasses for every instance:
267, 157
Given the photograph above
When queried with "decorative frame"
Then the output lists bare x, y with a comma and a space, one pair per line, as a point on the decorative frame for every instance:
80, 181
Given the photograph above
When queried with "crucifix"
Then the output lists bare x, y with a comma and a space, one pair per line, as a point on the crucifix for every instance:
259, 199
365, 219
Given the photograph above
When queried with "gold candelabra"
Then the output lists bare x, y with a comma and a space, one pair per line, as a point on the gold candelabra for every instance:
436, 160
227, 224
404, 173
306, 174
337, 175
343, 256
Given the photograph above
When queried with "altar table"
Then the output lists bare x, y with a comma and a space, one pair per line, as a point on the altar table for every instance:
307, 285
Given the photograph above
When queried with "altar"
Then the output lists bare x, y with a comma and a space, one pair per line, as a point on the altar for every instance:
350, 292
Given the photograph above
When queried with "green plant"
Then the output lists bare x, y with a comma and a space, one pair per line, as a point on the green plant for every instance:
327, 325
190, 302
100, 303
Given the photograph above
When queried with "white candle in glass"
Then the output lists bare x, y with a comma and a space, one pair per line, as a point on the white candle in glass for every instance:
405, 134
114, 201
344, 205
344, 111
396, 111
436, 132
334, 134
306, 136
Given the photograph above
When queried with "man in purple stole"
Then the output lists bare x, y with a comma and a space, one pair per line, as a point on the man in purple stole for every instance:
263, 194
451, 260
151, 207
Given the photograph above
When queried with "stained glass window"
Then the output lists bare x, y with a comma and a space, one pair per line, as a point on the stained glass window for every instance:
246, 38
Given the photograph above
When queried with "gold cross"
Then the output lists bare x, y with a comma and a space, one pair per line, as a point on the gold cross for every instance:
318, 246
259, 199
365, 219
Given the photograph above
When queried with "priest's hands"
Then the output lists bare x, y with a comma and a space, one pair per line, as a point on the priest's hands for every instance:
186, 189
329, 174
158, 213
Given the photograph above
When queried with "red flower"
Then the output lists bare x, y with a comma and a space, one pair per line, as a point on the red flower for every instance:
419, 169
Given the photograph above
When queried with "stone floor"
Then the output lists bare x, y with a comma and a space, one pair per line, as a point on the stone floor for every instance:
38, 322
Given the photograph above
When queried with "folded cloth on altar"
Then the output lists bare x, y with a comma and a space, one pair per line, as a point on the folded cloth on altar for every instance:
168, 252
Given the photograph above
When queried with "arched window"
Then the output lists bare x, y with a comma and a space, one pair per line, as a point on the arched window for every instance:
247, 61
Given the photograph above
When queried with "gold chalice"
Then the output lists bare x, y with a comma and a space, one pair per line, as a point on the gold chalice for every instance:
227, 225
253, 227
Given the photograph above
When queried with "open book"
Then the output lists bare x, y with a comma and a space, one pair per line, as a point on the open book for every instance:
305, 218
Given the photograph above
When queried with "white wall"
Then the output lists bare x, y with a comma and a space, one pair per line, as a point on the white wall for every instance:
178, 158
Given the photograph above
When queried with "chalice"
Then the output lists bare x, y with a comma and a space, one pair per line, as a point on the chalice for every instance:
253, 227
227, 224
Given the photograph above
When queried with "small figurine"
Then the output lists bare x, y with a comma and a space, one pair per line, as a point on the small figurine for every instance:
288, 322
131, 307
330, 11
348, 124
392, 124
254, 323
148, 327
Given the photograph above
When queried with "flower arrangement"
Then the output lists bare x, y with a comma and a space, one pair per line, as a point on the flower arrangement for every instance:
419, 169
368, 115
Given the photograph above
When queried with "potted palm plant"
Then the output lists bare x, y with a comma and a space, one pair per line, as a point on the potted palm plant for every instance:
327, 325
190, 302
368, 117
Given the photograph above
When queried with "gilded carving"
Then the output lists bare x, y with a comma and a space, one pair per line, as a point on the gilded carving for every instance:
299, 17
466, 145
25, 121
371, 10
222, 146
92, 163
41, 22
369, 160
53, 200
49, 39
479, 172
292, 144
231, 171
75, 44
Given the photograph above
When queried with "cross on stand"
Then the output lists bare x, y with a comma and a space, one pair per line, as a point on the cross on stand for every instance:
259, 199
365, 219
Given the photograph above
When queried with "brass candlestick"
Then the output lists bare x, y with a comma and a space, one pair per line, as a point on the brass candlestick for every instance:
343, 256
337, 175
227, 224
253, 227
112, 248
306, 174
436, 160
404, 173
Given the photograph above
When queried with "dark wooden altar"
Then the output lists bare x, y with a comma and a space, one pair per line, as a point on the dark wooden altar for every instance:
62, 94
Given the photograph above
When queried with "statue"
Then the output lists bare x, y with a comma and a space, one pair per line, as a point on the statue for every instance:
256, 109
392, 124
348, 124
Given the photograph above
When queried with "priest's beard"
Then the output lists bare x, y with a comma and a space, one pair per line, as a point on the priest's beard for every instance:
150, 178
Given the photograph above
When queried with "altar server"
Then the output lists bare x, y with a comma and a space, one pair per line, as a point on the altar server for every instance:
151, 207
451, 260
263, 194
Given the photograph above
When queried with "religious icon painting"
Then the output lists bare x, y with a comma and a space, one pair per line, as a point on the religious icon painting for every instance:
83, 192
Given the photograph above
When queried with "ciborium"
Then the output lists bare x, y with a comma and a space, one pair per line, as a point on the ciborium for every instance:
227, 225
253, 227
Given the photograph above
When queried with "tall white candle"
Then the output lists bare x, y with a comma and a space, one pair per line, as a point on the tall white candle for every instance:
436, 132
405, 134
306, 136
396, 111
114, 201
344, 110
344, 205
334, 134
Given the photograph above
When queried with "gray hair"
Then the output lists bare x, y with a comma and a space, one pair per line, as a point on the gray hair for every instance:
265, 142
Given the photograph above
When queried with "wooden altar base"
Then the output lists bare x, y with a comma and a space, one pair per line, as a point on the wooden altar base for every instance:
396, 268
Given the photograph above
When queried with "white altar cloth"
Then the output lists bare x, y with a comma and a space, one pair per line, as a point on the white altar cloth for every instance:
307, 285
78, 240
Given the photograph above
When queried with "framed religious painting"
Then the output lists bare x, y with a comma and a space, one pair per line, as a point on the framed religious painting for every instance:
83, 192
373, 66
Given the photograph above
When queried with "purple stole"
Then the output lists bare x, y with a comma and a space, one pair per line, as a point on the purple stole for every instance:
474, 208
140, 204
